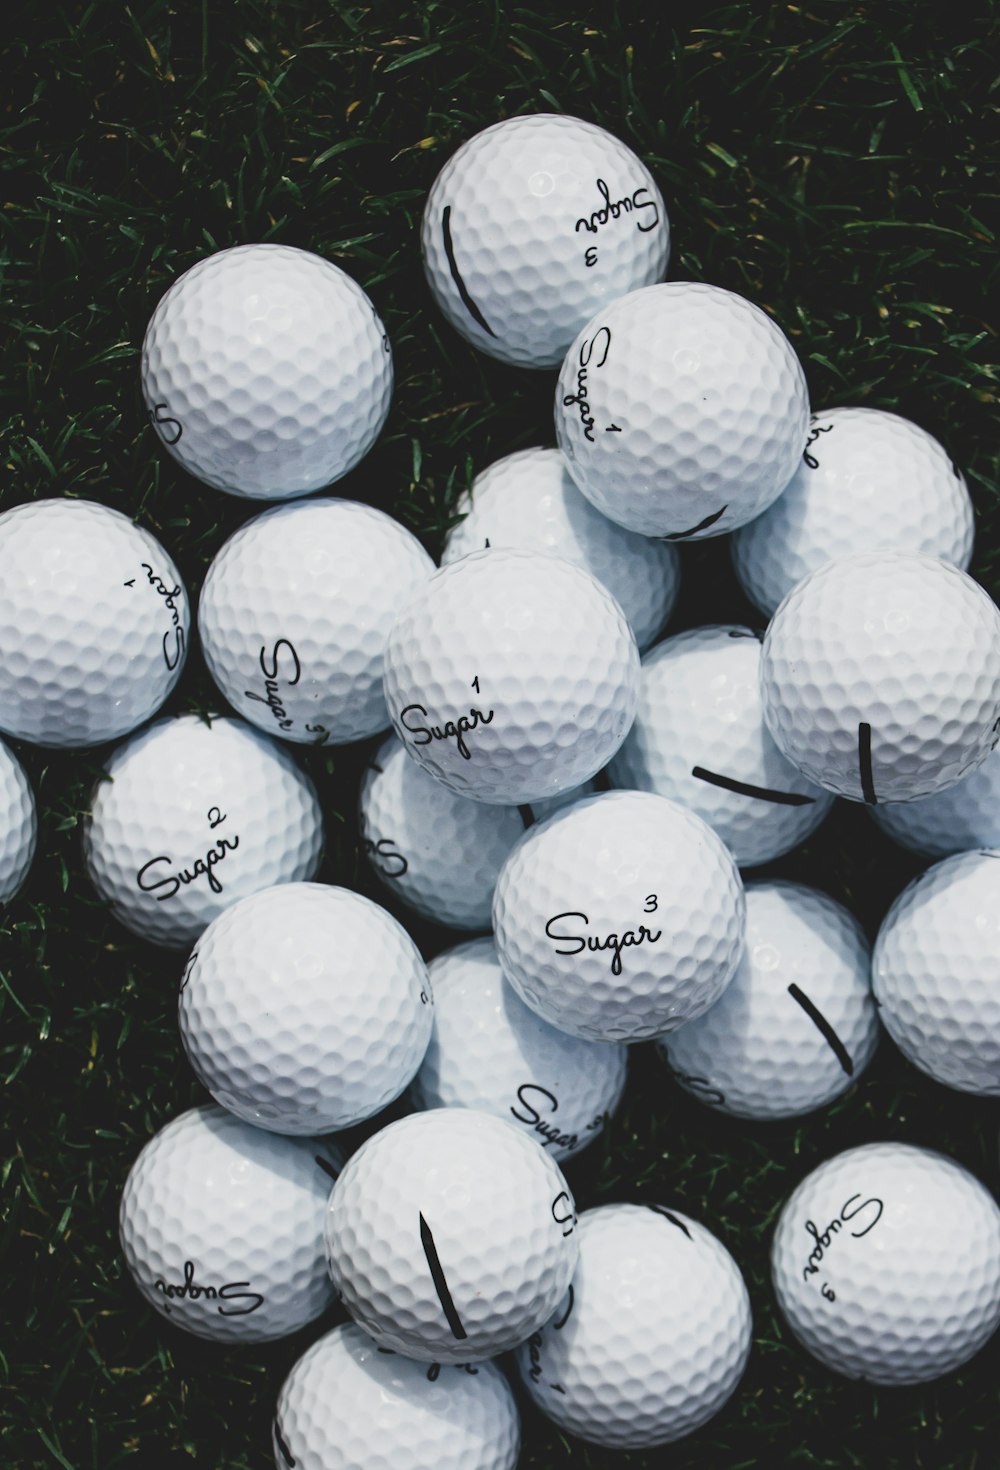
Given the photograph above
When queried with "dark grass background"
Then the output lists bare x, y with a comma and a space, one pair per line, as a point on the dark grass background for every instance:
833, 162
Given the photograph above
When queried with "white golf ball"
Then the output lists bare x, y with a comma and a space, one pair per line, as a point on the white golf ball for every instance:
528, 500
934, 972
682, 411
451, 1236
266, 371
221, 1226
965, 816
489, 1051
886, 1263
294, 613
94, 623
511, 676
620, 918
349, 1403
194, 816
868, 480
652, 1337
305, 1008
699, 737
532, 226
18, 824
880, 676
797, 1025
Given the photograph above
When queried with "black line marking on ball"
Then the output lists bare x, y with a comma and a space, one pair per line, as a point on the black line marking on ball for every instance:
743, 788
558, 1323
527, 815
662, 1210
822, 1025
282, 1444
865, 764
456, 274
440, 1284
701, 526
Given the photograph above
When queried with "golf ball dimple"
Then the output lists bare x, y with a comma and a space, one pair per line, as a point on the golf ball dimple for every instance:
620, 918
532, 226
880, 676
451, 1236
94, 623
488, 1050
699, 737
305, 1008
193, 816
965, 816
511, 676
348, 1403
295, 611
18, 824
528, 500
934, 972
266, 371
682, 411
652, 1337
868, 480
221, 1226
886, 1263
797, 1025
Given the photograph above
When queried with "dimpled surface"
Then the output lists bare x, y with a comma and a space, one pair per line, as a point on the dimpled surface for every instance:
886, 1263
451, 1236
965, 816
440, 853
797, 1025
934, 972
221, 1225
295, 611
528, 500
620, 918
193, 817
266, 371
348, 1404
682, 411
868, 479
94, 623
899, 651
305, 1008
526, 668
489, 1051
532, 226
18, 824
700, 730
654, 1337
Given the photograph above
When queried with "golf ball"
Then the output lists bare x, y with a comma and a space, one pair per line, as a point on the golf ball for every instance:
266, 371
348, 1403
193, 816
699, 737
528, 500
682, 411
880, 676
868, 480
532, 226
94, 623
221, 1226
18, 824
886, 1263
489, 1051
620, 918
451, 1236
652, 1337
797, 1025
295, 611
511, 676
934, 972
305, 1008
965, 816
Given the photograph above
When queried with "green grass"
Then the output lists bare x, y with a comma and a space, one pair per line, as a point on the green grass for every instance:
832, 163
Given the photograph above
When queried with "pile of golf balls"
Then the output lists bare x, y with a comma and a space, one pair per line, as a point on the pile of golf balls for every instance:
557, 779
